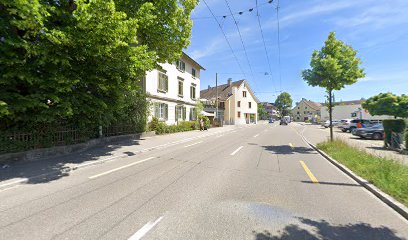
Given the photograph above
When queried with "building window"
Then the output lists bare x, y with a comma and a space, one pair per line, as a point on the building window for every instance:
180, 87
193, 92
161, 111
304, 112
193, 72
163, 82
239, 114
244, 93
180, 113
298, 113
249, 104
239, 103
193, 114
221, 105
181, 65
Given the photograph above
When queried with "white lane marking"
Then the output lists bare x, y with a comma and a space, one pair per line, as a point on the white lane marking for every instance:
234, 152
145, 229
193, 144
14, 182
256, 135
13, 187
120, 168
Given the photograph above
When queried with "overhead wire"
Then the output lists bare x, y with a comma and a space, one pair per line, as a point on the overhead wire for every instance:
279, 48
226, 39
264, 44
242, 41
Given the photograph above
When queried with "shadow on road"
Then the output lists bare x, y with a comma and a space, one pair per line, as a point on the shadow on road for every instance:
53, 168
285, 149
324, 230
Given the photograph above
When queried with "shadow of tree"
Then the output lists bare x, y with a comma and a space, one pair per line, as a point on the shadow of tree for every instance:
53, 168
324, 230
285, 149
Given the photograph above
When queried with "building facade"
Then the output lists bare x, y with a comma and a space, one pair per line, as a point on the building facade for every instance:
271, 111
173, 90
306, 110
236, 101
348, 110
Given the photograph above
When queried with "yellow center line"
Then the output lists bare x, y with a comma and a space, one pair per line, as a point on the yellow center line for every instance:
309, 173
291, 146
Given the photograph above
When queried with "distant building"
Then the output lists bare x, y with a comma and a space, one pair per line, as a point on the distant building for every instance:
348, 110
306, 110
236, 101
173, 90
271, 111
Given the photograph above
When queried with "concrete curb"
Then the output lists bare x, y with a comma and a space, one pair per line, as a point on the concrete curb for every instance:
38, 154
387, 199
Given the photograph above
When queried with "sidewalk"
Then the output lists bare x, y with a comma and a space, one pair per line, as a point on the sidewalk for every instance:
316, 134
59, 166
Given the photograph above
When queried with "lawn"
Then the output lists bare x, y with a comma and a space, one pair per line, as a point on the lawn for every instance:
388, 175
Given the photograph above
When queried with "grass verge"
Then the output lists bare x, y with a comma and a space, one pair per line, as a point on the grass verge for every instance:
388, 175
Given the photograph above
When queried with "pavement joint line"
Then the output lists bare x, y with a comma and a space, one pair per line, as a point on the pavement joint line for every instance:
120, 168
145, 229
237, 150
193, 144
309, 173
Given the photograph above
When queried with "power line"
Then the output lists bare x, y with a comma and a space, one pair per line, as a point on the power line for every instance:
236, 13
279, 49
266, 50
242, 41
226, 39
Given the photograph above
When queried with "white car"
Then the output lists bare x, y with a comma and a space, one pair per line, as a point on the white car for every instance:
334, 122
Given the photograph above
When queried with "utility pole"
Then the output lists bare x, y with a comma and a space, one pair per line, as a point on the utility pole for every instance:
216, 97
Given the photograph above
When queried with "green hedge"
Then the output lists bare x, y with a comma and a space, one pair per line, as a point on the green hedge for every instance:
163, 128
393, 125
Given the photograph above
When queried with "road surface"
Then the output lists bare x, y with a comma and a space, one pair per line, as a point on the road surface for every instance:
252, 182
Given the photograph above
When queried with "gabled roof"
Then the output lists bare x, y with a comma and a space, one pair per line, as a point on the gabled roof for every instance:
192, 60
311, 104
224, 91
353, 102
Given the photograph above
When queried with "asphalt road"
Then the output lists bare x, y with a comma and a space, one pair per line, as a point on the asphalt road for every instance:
257, 182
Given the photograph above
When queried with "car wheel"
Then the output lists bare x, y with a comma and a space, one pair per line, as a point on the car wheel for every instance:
351, 129
377, 136
344, 130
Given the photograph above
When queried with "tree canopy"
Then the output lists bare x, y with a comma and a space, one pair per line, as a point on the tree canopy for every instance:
387, 104
262, 114
83, 60
283, 103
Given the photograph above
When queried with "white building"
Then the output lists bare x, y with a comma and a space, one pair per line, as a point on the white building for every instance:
236, 100
174, 90
348, 110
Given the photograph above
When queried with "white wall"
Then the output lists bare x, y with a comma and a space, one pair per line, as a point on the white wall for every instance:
151, 86
244, 108
345, 111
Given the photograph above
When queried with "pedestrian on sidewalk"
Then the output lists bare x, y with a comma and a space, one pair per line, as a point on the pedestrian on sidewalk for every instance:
201, 124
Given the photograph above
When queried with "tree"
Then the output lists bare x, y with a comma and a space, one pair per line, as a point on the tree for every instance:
283, 103
333, 67
82, 61
387, 104
262, 114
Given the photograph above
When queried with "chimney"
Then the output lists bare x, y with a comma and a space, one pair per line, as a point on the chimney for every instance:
229, 81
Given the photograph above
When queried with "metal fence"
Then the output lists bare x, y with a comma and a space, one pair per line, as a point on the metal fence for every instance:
17, 141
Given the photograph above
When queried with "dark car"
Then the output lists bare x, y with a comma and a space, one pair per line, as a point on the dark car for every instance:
283, 122
374, 132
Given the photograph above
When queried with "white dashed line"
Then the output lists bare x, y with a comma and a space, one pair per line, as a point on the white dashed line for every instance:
120, 168
234, 152
145, 229
193, 144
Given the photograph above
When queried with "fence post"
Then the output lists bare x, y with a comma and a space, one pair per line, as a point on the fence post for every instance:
100, 131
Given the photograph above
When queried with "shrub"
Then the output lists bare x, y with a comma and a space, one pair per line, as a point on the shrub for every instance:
152, 126
163, 128
392, 125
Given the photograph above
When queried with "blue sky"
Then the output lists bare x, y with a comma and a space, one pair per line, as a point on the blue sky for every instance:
378, 30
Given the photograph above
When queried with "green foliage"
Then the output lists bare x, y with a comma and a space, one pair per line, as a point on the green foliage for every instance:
387, 104
262, 114
82, 61
153, 124
199, 108
163, 128
283, 103
393, 125
207, 122
334, 66
388, 175
406, 138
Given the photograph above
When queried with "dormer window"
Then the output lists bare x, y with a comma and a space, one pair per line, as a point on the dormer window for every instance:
181, 65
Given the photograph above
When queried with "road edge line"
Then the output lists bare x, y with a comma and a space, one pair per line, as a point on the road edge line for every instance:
384, 197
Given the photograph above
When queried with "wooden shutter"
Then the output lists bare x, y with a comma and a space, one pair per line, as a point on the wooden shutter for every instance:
166, 83
156, 110
166, 111
184, 113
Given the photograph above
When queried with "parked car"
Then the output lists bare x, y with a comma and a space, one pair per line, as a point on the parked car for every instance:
350, 124
283, 122
374, 132
334, 123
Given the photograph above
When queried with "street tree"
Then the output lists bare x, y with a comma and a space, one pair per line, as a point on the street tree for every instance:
387, 104
283, 103
82, 61
262, 114
333, 67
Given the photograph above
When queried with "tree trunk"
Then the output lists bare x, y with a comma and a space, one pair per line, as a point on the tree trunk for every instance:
330, 115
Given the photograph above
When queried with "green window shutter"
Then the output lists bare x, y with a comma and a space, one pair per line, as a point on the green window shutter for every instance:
176, 113
166, 111
166, 83
156, 110
184, 113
